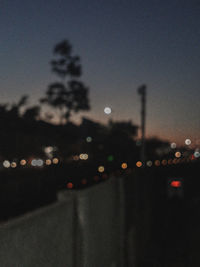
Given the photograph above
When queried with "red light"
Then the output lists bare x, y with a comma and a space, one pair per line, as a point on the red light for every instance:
70, 185
175, 184
84, 181
96, 178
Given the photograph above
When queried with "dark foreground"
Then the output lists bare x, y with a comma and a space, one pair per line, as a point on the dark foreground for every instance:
166, 218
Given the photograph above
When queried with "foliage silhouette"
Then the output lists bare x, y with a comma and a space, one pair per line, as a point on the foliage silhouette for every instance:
69, 95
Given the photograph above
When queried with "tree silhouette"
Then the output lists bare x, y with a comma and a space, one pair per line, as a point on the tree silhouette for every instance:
69, 95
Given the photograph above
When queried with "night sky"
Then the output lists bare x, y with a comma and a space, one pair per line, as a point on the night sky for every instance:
122, 44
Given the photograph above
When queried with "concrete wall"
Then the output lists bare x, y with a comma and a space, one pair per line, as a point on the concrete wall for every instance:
83, 229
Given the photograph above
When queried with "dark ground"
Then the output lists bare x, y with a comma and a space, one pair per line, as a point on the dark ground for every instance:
168, 225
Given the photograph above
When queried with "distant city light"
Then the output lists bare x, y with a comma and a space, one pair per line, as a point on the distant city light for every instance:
40, 162
6, 163
149, 163
178, 154
173, 145
75, 157
175, 183
55, 160
89, 139
188, 142
48, 162
170, 161
139, 164
34, 162
107, 110
13, 164
70, 185
48, 149
164, 162
124, 165
101, 168
23, 162
110, 158
157, 162
84, 181
197, 154
83, 156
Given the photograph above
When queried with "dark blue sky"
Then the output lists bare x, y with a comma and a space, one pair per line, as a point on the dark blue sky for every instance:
122, 45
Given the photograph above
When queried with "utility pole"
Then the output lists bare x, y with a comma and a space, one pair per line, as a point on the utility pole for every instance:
142, 92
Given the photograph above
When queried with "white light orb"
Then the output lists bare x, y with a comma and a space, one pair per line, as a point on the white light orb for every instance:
107, 110
173, 145
149, 163
6, 163
197, 154
89, 139
188, 142
40, 162
34, 162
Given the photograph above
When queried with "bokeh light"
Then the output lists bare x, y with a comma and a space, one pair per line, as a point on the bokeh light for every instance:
188, 142
149, 163
101, 168
157, 162
13, 164
124, 165
34, 162
197, 154
139, 164
110, 158
178, 154
23, 162
83, 156
173, 145
70, 185
164, 162
89, 139
84, 181
107, 110
55, 160
48, 162
6, 163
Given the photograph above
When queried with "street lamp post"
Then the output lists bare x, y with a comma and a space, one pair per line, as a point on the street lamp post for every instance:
142, 92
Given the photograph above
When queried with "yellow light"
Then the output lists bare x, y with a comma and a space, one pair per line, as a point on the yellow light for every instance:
48, 162
23, 162
101, 168
139, 164
124, 165
13, 164
83, 156
75, 157
55, 160
178, 154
